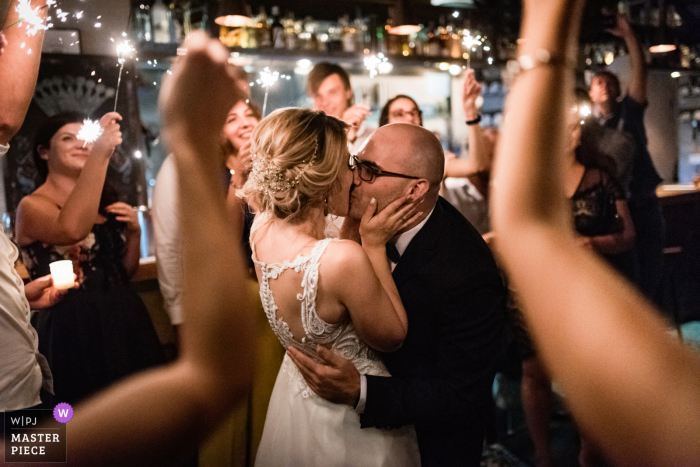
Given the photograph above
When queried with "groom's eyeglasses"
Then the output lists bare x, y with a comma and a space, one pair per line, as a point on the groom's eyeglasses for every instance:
368, 172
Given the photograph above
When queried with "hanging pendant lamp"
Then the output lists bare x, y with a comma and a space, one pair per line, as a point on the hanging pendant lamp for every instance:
403, 20
232, 14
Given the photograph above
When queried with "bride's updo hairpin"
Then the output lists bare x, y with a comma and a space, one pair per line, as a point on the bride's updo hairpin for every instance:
271, 179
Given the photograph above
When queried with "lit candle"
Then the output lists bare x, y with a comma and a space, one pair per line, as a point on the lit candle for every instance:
62, 274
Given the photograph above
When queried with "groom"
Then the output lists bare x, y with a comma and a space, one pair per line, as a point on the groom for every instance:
454, 298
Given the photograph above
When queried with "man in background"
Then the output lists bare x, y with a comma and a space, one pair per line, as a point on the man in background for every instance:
329, 86
617, 126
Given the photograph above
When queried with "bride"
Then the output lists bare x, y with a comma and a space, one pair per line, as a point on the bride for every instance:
321, 291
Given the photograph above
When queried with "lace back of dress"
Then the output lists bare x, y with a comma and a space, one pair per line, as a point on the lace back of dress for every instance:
316, 330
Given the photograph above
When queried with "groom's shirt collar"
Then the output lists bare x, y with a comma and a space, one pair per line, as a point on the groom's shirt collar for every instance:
405, 238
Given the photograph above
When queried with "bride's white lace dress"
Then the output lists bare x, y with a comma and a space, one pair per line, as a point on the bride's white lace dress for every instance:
301, 429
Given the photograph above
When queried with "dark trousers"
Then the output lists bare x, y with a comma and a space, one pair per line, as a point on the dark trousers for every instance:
651, 231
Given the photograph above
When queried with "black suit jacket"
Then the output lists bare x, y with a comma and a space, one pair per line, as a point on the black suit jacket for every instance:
442, 376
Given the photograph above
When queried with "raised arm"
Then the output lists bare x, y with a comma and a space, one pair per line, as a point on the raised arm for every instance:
38, 218
638, 83
151, 418
630, 385
479, 147
20, 70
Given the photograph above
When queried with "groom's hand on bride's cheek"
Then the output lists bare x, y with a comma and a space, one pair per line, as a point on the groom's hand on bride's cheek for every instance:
336, 379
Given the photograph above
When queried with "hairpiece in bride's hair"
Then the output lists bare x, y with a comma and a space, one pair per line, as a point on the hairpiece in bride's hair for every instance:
271, 178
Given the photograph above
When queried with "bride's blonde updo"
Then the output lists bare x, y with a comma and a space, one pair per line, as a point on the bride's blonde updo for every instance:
297, 156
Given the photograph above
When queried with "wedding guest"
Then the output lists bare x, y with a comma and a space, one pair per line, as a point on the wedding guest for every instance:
401, 109
329, 86
234, 156
617, 125
467, 189
300, 175
597, 336
100, 332
240, 123
152, 418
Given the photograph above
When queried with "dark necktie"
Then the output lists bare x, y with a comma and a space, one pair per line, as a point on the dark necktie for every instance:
392, 253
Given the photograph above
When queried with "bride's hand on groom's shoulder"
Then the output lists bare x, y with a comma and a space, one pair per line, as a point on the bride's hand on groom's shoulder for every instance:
333, 379
377, 228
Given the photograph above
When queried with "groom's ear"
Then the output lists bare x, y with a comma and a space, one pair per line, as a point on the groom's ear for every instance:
418, 189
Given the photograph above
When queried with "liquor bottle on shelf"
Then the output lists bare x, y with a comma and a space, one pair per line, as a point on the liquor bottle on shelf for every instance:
250, 32
433, 41
347, 34
262, 30
381, 40
421, 42
291, 31
142, 23
445, 38
276, 29
160, 17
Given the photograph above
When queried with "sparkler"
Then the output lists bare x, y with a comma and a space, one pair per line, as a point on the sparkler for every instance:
89, 131
266, 80
124, 50
29, 15
375, 64
471, 43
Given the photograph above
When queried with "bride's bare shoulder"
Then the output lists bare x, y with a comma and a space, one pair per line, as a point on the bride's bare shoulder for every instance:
345, 256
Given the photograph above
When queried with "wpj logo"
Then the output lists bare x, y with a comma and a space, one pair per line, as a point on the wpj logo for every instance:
37, 435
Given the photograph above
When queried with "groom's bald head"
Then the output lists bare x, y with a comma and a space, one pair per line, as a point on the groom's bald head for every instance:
404, 149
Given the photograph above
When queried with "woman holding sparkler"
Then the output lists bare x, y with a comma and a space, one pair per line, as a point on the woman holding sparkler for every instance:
100, 332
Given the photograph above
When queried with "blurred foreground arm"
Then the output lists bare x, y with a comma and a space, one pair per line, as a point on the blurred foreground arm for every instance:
631, 386
151, 418
20, 64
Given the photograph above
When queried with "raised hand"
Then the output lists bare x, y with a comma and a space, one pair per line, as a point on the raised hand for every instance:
355, 116
622, 27
196, 98
126, 214
470, 93
377, 228
242, 164
111, 136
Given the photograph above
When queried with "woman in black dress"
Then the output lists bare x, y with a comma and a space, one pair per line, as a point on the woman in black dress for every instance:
100, 332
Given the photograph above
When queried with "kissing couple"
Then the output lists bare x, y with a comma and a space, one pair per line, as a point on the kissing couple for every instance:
393, 330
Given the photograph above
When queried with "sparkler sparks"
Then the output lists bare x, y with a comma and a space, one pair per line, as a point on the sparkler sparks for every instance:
268, 78
471, 43
374, 64
124, 50
89, 131
29, 15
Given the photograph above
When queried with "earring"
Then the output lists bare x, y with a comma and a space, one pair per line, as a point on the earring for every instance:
325, 207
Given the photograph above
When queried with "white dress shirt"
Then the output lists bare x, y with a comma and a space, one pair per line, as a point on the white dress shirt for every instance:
168, 240
23, 370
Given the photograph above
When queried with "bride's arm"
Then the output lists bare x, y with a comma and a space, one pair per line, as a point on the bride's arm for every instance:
361, 277
630, 385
